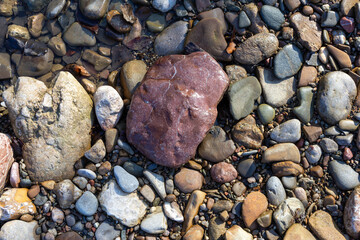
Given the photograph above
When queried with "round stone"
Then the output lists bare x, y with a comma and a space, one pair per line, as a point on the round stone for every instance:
275, 191
188, 180
87, 204
288, 61
223, 172
127, 182
266, 113
272, 16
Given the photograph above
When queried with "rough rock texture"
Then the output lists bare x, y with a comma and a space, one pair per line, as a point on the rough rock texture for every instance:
131, 209
247, 133
10, 230
6, 158
309, 32
175, 106
52, 119
352, 214
324, 227
14, 203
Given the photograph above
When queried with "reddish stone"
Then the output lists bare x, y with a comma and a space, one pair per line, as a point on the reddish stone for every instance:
317, 171
174, 107
223, 172
312, 133
6, 158
347, 154
352, 214
348, 24
254, 205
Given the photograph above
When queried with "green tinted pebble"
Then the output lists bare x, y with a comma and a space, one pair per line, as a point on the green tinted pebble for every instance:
156, 22
266, 113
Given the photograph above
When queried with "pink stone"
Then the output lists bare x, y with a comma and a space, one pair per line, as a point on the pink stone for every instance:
6, 158
223, 172
348, 24
352, 214
14, 175
347, 154
174, 107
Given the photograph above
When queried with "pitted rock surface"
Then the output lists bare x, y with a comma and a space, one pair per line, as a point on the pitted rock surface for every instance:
53, 123
174, 107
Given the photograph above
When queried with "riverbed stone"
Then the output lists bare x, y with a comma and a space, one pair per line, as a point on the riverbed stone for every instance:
324, 227
288, 61
173, 74
19, 230
345, 177
94, 9
172, 39
281, 152
247, 133
289, 131
78, 36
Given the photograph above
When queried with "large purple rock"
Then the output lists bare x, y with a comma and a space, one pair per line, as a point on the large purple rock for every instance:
174, 107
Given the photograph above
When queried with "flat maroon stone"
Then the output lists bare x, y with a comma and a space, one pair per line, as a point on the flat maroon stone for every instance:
174, 107
348, 23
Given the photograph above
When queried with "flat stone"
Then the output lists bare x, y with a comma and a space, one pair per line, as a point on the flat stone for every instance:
163, 5
215, 13
148, 193
188, 180
266, 113
307, 75
130, 212
246, 133
131, 74
256, 48
194, 233
244, 20
236, 232
255, 204
155, 222
216, 145
345, 177
289, 131
348, 125
69, 125
292, 4
275, 191
328, 145
344, 140
281, 152
313, 154
156, 22
286, 168
108, 106
288, 61
172, 211
336, 92
341, 57
257, 25
246, 168
329, 19
127, 182
216, 228
172, 39
297, 231
99, 62
54, 8
57, 45
10, 230
305, 110
242, 96
157, 181
312, 133
309, 32
210, 29
172, 77
324, 227
87, 204
5, 66
35, 66
272, 16
64, 191
277, 92
78, 36
86, 173
192, 208
106, 231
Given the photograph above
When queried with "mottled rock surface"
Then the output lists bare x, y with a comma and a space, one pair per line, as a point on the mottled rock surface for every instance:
174, 107
6, 158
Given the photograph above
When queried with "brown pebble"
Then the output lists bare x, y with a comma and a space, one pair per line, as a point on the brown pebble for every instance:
308, 10
287, 168
317, 171
49, 185
305, 163
254, 205
347, 154
307, 75
33, 191
224, 215
312, 133
210, 203
104, 168
223, 172
27, 217
329, 200
170, 198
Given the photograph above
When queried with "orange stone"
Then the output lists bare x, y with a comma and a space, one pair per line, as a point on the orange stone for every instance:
254, 205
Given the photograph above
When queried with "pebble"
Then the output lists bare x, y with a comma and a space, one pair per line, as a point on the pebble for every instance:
108, 106
106, 231
351, 214
216, 145
86, 173
277, 92
305, 110
148, 193
272, 16
287, 213
244, 20
288, 61
313, 154
163, 5
172, 39
130, 212
257, 25
265, 219
87, 204
336, 92
14, 175
192, 208
345, 177
329, 19
328, 145
111, 137
19, 230
344, 140
246, 133
254, 205
64, 191
348, 125
223, 172
156, 22
188, 180
246, 168
242, 96
127, 182
281, 152
57, 215
236, 232
194, 233
341, 57
14, 202
57, 45
99, 62
97, 152
289, 131
308, 74
289, 182
275, 191
78, 36
54, 8
339, 37
286, 168
157, 181
131, 75
323, 226
93, 9
266, 113
297, 231
172, 211
256, 48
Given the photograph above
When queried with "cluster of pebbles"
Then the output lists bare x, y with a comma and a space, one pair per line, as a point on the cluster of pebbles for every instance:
165, 119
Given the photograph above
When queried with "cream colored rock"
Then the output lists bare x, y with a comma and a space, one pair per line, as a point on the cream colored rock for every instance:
281, 152
236, 233
324, 227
